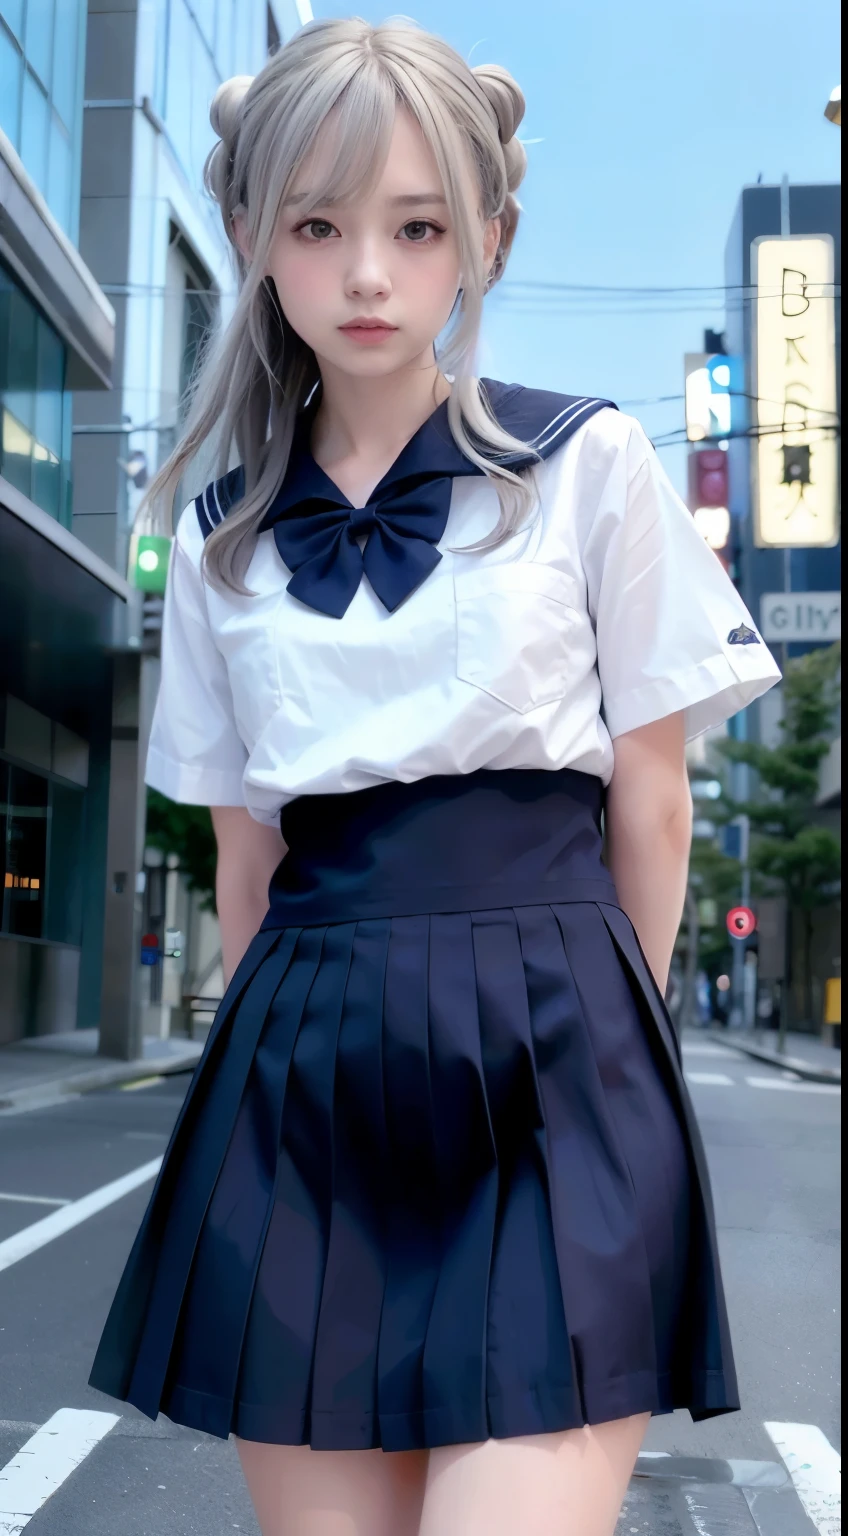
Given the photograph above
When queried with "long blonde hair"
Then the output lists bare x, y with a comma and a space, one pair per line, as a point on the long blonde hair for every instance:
257, 374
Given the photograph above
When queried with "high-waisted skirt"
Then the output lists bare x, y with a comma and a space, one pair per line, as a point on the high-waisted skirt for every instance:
437, 1176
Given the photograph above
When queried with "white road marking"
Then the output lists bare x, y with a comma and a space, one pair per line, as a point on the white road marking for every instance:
20, 1244
782, 1086
50, 1100
715, 1051
34, 1199
816, 1470
694, 1507
48, 1458
710, 1079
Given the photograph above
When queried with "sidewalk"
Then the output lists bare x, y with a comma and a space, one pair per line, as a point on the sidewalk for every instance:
806, 1055
46, 1067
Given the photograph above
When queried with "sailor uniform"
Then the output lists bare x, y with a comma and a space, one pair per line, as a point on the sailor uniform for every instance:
437, 1177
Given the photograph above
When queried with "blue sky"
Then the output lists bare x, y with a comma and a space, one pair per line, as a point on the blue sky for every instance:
652, 116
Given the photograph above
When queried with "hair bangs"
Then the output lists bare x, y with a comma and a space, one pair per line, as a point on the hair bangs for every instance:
349, 150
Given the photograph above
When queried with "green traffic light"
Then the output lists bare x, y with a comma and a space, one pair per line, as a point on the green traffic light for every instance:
148, 563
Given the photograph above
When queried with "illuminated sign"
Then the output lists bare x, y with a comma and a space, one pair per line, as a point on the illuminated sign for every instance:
796, 494
713, 393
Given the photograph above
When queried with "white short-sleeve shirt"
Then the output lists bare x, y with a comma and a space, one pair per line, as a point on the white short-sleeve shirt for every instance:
608, 611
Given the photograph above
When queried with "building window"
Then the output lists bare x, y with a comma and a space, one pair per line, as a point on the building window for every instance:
35, 407
191, 310
41, 66
25, 853
42, 827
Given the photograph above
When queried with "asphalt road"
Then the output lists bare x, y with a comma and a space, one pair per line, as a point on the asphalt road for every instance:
773, 1150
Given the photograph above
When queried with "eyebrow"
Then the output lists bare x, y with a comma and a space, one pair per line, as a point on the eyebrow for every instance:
403, 200
409, 199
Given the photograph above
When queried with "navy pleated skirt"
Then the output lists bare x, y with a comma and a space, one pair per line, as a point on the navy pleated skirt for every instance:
437, 1177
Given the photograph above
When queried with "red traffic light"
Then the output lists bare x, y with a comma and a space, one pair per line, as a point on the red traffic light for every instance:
741, 922
709, 483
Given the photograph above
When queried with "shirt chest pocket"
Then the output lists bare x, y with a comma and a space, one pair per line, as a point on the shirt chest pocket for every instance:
514, 629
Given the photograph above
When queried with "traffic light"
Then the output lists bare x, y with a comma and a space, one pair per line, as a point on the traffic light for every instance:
148, 564
709, 495
711, 486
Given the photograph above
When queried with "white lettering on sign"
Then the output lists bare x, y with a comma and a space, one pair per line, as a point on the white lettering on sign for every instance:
796, 497
807, 616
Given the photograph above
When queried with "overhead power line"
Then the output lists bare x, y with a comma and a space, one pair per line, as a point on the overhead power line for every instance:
677, 436
538, 284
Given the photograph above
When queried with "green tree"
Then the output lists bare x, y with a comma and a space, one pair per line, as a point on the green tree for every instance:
791, 852
185, 830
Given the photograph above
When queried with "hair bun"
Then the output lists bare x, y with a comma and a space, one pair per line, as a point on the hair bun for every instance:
504, 97
226, 105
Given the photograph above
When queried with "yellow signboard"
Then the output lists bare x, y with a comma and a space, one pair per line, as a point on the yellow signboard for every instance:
796, 487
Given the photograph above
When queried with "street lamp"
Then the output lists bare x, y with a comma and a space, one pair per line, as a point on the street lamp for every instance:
833, 110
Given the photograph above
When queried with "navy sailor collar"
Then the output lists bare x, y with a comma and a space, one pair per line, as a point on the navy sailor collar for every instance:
317, 530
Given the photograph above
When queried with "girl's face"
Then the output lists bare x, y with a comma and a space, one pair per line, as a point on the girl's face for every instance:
389, 259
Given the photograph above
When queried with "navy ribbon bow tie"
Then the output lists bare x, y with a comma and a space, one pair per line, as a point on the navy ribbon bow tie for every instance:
318, 532
316, 529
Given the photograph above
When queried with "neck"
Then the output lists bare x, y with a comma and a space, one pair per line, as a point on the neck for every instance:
371, 420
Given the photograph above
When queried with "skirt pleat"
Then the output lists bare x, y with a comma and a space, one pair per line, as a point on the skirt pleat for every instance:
528, 1360
411, 1184
703, 1361
436, 1179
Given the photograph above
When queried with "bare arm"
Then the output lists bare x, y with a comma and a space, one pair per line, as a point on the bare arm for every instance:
248, 854
649, 832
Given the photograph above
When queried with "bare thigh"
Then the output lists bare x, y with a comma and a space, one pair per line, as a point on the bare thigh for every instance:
300, 1492
569, 1484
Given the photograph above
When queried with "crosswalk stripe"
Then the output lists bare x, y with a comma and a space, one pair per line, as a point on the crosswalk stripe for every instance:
34, 1199
787, 1083
48, 1458
782, 1086
816, 1470
20, 1244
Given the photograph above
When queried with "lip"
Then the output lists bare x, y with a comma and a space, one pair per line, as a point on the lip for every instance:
367, 332
364, 323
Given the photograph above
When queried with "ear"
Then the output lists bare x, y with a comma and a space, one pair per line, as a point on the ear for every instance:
491, 241
239, 227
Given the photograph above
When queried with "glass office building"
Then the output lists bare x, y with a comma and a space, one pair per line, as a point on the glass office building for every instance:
42, 44
35, 406
41, 49
112, 266
58, 605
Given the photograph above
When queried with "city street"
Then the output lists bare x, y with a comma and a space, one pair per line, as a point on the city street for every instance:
772, 1144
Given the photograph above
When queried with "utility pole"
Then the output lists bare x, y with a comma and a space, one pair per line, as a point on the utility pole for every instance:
737, 974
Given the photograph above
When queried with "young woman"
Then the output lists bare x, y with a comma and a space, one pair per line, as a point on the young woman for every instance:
433, 1236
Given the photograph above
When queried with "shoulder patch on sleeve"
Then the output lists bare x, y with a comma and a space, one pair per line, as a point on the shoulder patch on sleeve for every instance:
213, 504
743, 635
543, 419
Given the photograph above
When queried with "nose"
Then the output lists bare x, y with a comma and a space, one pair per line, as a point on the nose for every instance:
367, 274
